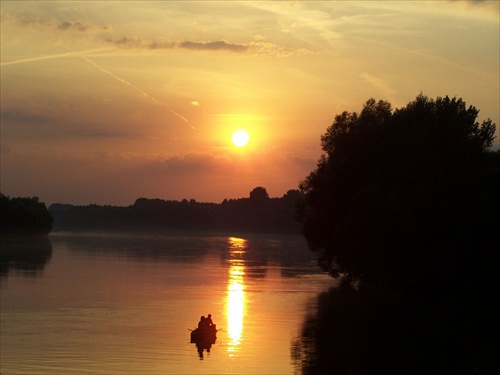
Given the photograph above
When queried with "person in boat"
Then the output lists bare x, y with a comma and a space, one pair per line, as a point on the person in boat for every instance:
202, 323
209, 323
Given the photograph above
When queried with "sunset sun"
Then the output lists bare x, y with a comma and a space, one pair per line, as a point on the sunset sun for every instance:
240, 138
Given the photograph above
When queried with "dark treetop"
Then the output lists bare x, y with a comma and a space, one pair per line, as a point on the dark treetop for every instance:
406, 193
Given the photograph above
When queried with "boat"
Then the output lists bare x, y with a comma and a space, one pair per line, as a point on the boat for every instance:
204, 335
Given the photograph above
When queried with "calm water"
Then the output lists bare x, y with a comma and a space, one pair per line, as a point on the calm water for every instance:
102, 304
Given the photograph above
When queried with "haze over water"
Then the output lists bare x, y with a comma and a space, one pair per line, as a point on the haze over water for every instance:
123, 305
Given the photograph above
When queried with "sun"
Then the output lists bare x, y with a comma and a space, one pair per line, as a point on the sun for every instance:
240, 138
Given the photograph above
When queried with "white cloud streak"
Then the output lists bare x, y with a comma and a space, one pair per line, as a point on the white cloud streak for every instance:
134, 87
51, 56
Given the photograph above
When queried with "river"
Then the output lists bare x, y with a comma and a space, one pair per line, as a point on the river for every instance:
125, 304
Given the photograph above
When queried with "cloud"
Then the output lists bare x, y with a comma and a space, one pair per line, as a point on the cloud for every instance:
138, 43
23, 117
197, 162
43, 125
301, 162
214, 46
81, 27
489, 8
28, 20
205, 163
476, 2
82, 175
78, 26
227, 164
256, 47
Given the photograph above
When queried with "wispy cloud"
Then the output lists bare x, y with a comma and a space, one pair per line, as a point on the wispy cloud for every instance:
196, 162
26, 124
23, 117
50, 56
486, 9
229, 164
105, 33
256, 47
380, 84
490, 4
217, 45
32, 21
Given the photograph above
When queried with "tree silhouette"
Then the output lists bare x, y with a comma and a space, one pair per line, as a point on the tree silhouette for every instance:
405, 193
24, 215
259, 194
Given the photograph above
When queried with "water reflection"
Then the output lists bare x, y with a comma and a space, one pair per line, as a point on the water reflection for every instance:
184, 248
376, 331
26, 255
235, 304
97, 296
203, 341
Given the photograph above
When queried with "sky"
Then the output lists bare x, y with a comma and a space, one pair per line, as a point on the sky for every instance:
108, 101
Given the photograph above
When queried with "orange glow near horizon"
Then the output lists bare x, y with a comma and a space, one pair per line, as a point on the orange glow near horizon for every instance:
235, 304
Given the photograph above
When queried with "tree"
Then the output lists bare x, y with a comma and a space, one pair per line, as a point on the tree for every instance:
24, 216
259, 194
405, 193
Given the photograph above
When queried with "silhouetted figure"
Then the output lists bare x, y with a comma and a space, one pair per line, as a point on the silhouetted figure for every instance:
201, 323
208, 323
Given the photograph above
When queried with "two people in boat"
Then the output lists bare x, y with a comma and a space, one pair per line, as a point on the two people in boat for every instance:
206, 323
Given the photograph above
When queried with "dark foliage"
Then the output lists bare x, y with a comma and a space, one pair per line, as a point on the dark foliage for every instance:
376, 331
407, 198
258, 213
24, 216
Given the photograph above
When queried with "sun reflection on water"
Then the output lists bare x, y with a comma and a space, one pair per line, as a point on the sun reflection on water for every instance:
235, 305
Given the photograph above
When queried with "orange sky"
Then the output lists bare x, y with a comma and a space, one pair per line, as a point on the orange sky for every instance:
105, 102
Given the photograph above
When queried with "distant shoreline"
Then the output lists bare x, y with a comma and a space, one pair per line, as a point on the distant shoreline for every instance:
256, 214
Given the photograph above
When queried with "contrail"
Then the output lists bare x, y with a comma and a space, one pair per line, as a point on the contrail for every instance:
134, 87
47, 57
81, 54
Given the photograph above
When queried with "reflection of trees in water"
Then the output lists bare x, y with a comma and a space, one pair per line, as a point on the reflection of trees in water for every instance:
28, 255
289, 253
188, 248
378, 332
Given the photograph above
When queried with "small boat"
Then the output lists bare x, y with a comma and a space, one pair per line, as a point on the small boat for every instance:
204, 335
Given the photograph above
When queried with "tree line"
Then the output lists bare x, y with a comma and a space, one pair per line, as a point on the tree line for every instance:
24, 216
257, 213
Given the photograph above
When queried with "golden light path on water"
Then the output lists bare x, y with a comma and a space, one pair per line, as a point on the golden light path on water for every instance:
235, 303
